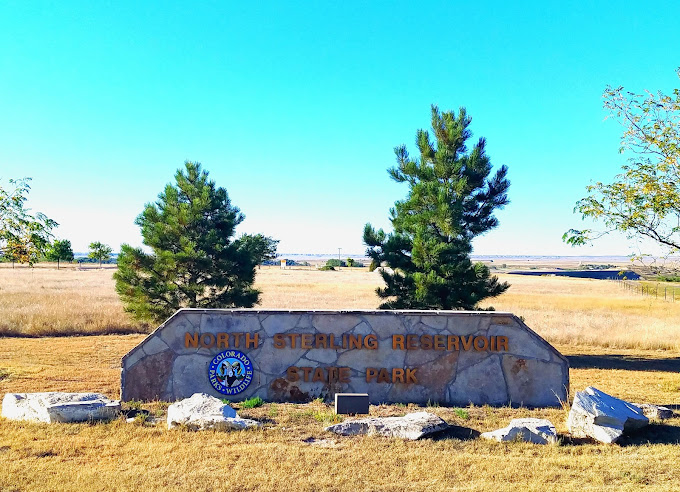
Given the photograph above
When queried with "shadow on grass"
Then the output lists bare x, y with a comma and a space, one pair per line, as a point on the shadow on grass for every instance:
262, 420
569, 440
454, 432
627, 362
652, 434
111, 330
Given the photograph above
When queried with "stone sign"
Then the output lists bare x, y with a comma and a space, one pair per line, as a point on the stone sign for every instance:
447, 357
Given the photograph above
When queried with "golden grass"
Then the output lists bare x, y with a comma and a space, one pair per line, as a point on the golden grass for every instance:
47, 301
43, 302
293, 452
669, 291
347, 288
591, 312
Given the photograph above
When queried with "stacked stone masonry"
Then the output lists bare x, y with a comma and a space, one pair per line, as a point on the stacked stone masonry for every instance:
448, 357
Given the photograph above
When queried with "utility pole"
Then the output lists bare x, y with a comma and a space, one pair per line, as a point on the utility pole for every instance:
339, 260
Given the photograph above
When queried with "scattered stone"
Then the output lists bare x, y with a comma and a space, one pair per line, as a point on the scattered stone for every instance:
601, 416
655, 411
202, 411
59, 407
412, 426
537, 431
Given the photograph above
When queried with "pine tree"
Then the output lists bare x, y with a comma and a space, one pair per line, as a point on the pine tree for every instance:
451, 201
195, 262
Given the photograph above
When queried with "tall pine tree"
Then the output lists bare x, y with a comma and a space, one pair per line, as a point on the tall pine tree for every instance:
195, 260
451, 200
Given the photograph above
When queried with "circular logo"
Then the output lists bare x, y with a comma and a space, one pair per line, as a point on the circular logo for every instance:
230, 372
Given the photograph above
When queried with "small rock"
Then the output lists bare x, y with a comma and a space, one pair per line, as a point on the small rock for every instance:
655, 411
146, 421
537, 431
412, 426
202, 411
134, 412
601, 416
322, 443
59, 407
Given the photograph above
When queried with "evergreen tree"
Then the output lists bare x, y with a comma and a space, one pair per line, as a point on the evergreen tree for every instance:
451, 201
195, 262
60, 250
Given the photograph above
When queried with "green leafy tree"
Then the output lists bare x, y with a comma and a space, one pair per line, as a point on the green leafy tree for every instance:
23, 237
99, 252
194, 260
261, 247
451, 200
350, 262
334, 262
60, 250
644, 199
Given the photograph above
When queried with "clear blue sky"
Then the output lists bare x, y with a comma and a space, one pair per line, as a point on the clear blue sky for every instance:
295, 107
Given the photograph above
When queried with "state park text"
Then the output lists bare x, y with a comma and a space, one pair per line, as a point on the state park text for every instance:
347, 341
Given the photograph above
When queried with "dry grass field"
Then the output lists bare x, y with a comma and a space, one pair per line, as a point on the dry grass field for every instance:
624, 344
47, 301
591, 312
44, 302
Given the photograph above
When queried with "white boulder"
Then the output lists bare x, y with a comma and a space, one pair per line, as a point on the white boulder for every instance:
59, 407
537, 431
202, 411
412, 426
602, 417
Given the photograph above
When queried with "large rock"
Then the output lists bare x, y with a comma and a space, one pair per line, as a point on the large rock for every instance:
602, 417
537, 431
59, 407
201, 412
412, 426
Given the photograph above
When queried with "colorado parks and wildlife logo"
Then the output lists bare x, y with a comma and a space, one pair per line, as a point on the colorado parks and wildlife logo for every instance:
230, 372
